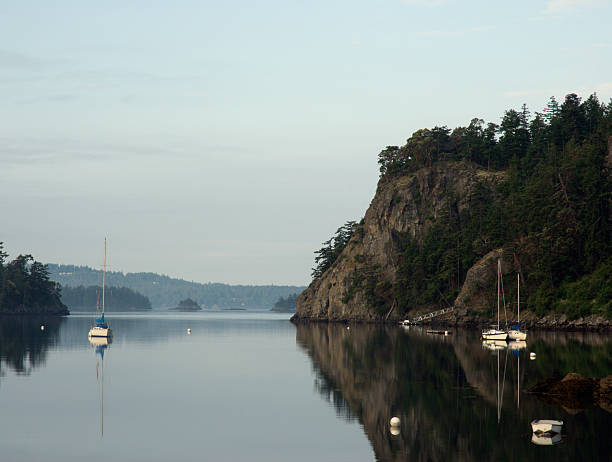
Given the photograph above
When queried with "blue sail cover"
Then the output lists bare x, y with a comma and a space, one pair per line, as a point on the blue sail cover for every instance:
517, 326
100, 322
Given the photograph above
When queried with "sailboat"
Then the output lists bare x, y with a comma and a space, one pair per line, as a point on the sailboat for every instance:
101, 328
515, 333
494, 333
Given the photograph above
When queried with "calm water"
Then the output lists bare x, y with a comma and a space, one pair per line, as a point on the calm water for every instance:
251, 386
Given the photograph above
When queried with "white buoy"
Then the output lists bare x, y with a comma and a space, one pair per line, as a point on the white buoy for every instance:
348, 327
42, 327
394, 431
532, 355
189, 331
395, 421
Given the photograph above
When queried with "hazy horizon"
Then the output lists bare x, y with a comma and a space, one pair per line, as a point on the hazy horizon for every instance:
226, 141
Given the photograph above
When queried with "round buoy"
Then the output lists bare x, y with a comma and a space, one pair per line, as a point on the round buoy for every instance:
189, 331
394, 431
42, 327
395, 421
348, 327
532, 355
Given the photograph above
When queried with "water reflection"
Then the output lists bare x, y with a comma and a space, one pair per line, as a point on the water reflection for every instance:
449, 391
100, 344
25, 340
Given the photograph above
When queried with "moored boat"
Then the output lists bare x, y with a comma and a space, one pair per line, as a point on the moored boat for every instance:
495, 333
515, 332
101, 328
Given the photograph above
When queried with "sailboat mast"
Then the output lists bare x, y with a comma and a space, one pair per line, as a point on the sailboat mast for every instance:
104, 276
518, 297
498, 288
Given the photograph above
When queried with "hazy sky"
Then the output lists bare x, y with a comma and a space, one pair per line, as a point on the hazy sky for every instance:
225, 140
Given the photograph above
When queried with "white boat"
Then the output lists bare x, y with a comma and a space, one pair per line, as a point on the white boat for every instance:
515, 332
101, 328
540, 426
495, 333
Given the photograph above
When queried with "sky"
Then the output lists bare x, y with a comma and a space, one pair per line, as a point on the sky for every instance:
224, 141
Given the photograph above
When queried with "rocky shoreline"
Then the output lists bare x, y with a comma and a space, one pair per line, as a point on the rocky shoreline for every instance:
463, 318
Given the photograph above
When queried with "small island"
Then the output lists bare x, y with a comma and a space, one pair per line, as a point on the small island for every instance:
286, 305
187, 305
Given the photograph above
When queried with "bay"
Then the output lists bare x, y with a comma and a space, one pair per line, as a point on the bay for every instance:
252, 386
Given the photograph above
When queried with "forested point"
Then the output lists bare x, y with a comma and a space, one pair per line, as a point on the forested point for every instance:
115, 298
286, 305
551, 214
25, 287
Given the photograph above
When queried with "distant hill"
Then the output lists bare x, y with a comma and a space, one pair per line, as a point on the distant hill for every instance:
116, 298
167, 292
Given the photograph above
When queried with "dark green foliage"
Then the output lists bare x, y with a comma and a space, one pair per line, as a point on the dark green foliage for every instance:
188, 305
25, 287
288, 304
116, 298
552, 212
332, 248
590, 294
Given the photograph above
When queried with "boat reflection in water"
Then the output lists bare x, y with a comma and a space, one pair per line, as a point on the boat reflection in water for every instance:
494, 345
101, 344
546, 439
449, 391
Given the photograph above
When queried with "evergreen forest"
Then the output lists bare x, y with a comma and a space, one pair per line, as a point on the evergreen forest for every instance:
166, 292
115, 299
551, 214
25, 287
286, 305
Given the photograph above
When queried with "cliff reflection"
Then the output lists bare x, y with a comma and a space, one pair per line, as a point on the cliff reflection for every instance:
23, 344
456, 400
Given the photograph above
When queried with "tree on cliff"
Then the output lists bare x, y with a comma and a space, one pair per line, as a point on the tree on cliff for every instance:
552, 210
332, 248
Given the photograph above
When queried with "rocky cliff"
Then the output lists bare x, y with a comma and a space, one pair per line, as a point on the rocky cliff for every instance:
404, 206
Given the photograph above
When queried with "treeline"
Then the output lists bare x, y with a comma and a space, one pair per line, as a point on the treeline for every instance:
25, 287
166, 292
287, 305
551, 214
518, 138
115, 298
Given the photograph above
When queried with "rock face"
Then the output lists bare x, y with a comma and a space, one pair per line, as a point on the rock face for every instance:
575, 393
408, 204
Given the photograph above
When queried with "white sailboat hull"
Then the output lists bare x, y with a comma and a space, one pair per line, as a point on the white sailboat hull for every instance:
517, 335
494, 334
100, 332
546, 426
